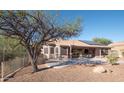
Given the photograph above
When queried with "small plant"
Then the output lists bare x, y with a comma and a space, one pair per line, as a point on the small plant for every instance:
112, 59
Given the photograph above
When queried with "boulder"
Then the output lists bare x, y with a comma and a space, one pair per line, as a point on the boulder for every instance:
99, 69
90, 65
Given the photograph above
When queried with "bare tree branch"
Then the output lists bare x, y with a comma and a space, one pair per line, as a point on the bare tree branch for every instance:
33, 29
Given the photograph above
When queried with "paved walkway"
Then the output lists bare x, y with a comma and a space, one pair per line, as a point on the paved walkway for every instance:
74, 61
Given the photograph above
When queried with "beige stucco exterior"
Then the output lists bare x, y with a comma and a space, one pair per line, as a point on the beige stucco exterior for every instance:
74, 49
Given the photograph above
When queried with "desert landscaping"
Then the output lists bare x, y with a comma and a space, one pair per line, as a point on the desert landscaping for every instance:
73, 73
40, 46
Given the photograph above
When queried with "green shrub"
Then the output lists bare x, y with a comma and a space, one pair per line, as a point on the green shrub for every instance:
112, 59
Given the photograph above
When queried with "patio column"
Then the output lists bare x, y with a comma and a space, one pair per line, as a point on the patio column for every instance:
100, 52
42, 50
55, 52
67, 52
48, 51
70, 51
59, 51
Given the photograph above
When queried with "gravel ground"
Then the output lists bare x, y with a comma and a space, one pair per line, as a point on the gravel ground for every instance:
74, 73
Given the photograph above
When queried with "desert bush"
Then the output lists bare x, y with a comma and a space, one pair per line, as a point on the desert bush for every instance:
112, 59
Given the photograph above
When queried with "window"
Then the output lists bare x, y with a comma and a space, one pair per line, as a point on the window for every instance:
52, 50
45, 50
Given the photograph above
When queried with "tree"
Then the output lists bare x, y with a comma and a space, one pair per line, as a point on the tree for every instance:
103, 41
11, 48
33, 29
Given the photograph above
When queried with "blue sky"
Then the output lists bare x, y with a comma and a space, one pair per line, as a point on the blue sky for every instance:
107, 24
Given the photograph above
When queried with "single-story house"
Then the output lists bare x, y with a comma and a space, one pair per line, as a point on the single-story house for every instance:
118, 48
74, 49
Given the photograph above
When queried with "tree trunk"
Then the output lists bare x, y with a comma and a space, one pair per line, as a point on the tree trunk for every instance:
33, 63
34, 66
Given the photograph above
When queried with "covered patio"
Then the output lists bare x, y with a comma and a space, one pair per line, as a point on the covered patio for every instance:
72, 51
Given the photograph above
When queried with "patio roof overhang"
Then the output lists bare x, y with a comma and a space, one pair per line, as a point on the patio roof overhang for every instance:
77, 43
90, 46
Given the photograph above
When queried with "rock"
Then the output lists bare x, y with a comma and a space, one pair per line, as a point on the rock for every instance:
90, 65
99, 69
110, 71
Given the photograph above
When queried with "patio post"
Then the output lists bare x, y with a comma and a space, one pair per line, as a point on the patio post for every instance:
55, 52
48, 51
42, 50
67, 52
100, 52
59, 51
70, 51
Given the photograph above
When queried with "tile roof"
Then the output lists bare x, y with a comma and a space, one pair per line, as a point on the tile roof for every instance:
90, 42
80, 43
117, 44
